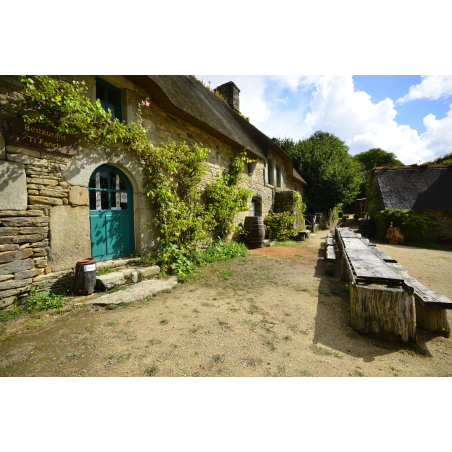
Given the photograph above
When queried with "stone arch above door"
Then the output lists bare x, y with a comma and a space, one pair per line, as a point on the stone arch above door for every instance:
85, 162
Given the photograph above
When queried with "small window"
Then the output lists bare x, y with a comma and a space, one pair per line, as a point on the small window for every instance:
269, 172
109, 97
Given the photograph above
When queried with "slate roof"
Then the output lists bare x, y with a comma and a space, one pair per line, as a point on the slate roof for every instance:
416, 188
187, 98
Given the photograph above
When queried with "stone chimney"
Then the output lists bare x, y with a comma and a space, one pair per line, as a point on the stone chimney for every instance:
231, 94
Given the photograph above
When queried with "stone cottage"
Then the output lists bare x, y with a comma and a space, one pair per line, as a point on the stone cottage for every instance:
426, 190
62, 200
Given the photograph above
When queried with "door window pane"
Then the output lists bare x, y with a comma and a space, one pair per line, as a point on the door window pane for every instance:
116, 182
98, 200
119, 201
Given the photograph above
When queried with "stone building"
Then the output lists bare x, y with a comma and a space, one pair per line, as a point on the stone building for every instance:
427, 190
62, 200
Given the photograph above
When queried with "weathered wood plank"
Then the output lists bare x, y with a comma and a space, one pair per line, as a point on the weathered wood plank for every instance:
425, 296
384, 312
383, 256
432, 319
367, 265
330, 254
354, 243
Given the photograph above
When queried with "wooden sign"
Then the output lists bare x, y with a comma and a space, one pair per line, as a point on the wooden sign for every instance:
37, 136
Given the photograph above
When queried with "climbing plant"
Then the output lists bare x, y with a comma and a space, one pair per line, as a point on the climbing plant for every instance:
225, 197
173, 170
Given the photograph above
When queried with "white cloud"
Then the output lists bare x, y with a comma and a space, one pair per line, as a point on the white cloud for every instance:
331, 104
431, 87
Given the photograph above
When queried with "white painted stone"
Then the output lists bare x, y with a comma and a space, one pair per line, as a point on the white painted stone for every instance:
105, 282
138, 291
13, 186
135, 277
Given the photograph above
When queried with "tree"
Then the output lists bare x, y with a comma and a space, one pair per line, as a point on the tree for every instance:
332, 174
374, 157
377, 157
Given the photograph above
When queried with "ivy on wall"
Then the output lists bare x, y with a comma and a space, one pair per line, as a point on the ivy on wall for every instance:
173, 171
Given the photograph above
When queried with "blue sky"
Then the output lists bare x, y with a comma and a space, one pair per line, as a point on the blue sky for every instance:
410, 115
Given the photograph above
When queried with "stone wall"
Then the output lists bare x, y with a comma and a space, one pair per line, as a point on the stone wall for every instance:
44, 213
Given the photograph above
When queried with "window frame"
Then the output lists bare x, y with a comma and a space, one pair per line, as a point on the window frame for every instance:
269, 168
118, 92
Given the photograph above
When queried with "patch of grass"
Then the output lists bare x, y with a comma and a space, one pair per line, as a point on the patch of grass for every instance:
224, 325
123, 358
323, 351
304, 373
196, 311
270, 344
105, 271
413, 349
287, 338
164, 321
286, 354
358, 373
287, 314
252, 362
155, 341
73, 356
33, 324
151, 371
111, 323
218, 359
167, 291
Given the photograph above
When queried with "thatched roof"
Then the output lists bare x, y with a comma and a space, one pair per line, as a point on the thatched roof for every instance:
415, 188
188, 99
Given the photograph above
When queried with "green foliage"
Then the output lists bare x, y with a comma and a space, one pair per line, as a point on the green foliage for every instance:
300, 208
332, 174
182, 262
377, 157
374, 157
278, 226
105, 271
173, 171
40, 298
225, 197
407, 220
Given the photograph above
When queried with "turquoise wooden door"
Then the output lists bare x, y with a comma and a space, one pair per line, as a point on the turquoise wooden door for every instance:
111, 214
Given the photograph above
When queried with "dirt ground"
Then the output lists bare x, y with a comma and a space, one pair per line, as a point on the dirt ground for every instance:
271, 313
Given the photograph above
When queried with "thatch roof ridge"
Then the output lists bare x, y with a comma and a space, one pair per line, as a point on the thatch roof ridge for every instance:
415, 188
193, 100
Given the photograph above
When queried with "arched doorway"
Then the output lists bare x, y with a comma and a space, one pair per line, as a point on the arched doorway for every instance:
110, 213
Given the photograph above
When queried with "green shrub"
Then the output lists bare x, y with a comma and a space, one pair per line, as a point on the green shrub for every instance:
406, 220
278, 226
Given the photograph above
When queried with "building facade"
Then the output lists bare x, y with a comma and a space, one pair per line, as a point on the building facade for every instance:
63, 199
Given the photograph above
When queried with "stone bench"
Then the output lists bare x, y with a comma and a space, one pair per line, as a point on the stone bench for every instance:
330, 255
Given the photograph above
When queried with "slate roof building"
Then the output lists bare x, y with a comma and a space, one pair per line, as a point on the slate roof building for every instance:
423, 189
63, 200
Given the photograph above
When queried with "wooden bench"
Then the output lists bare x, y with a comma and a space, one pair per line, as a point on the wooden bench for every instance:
391, 308
330, 255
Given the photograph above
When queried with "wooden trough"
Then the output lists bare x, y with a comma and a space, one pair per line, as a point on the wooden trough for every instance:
392, 311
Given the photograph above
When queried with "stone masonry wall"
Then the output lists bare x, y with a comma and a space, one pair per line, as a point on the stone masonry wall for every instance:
33, 189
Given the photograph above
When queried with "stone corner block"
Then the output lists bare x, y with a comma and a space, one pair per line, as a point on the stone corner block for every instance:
104, 282
13, 186
78, 196
70, 236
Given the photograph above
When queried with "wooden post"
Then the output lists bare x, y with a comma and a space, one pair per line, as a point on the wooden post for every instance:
432, 319
394, 236
383, 312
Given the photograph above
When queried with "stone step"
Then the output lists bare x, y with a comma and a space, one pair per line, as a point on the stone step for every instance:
105, 282
138, 291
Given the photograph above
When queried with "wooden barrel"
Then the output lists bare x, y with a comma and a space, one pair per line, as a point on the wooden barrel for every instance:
255, 232
85, 276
